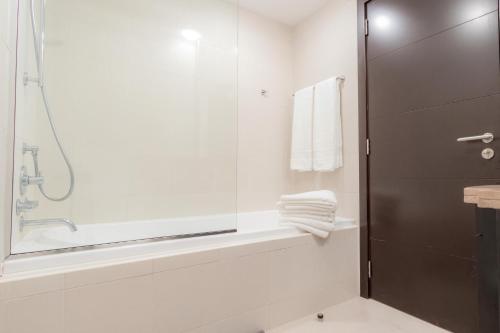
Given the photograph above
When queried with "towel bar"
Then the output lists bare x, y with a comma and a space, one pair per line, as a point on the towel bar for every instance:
340, 77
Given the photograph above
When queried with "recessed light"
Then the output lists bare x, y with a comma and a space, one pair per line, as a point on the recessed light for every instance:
191, 35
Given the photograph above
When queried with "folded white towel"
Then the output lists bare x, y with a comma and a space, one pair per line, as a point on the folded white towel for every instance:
327, 126
309, 206
314, 231
329, 219
313, 211
324, 226
301, 157
322, 197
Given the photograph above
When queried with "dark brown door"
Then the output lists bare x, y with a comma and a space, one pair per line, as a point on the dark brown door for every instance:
433, 76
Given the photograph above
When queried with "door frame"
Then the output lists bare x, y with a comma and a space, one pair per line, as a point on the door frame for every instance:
364, 223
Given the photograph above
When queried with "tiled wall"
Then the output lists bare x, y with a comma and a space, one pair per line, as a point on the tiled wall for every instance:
8, 31
265, 62
237, 289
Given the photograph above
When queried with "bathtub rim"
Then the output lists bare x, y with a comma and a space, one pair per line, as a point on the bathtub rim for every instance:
81, 260
56, 264
246, 223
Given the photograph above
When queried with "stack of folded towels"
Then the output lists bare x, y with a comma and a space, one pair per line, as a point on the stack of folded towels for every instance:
313, 212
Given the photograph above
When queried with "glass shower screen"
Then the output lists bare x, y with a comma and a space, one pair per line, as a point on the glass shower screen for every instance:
138, 101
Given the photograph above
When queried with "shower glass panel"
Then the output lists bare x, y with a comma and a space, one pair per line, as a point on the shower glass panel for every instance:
126, 121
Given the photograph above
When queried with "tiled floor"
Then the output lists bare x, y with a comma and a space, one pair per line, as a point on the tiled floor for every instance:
360, 316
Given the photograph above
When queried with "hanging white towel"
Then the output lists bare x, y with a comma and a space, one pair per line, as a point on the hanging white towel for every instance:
301, 156
327, 125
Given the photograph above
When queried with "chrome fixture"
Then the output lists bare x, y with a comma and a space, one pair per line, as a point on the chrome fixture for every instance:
488, 153
30, 149
36, 223
486, 138
39, 45
25, 180
25, 205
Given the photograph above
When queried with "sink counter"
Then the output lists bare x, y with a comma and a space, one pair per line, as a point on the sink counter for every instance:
487, 196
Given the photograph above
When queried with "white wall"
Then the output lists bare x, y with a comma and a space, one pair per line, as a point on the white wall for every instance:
265, 62
8, 31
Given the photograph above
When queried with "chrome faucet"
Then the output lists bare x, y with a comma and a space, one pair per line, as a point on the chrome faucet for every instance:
37, 223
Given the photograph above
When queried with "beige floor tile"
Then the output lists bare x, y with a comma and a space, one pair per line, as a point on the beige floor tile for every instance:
360, 316
250, 322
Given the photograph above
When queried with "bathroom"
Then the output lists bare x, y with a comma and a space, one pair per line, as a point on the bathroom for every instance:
249, 166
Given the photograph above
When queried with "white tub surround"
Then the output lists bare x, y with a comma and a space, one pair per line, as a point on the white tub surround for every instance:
228, 283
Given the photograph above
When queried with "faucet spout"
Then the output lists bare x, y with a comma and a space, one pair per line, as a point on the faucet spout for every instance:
45, 222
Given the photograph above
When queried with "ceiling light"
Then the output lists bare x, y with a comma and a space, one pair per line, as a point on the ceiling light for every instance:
191, 35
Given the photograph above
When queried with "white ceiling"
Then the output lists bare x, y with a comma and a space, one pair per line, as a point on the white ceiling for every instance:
289, 12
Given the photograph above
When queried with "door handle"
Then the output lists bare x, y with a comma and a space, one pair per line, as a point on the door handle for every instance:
486, 138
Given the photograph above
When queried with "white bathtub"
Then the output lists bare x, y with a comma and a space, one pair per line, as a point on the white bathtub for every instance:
231, 282
252, 227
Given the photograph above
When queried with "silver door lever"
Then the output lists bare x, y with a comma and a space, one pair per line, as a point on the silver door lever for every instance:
486, 138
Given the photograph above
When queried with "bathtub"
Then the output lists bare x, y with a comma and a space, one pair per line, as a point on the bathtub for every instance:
81, 246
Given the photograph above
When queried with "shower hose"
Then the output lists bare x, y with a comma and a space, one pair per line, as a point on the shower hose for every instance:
38, 40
